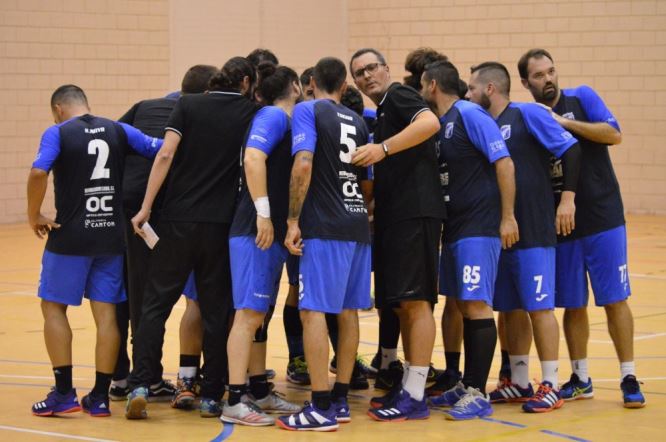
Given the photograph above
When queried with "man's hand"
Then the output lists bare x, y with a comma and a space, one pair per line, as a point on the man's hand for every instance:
139, 220
367, 155
42, 225
265, 233
509, 232
565, 219
293, 241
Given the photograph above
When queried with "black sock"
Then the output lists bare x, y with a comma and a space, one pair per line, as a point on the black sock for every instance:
506, 362
259, 386
321, 399
235, 393
293, 328
339, 391
190, 360
452, 360
389, 328
332, 324
479, 339
63, 378
102, 384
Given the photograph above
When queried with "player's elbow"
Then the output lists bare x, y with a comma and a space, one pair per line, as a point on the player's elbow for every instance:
36, 173
615, 138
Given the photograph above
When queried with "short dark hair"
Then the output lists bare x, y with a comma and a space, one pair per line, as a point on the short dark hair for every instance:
495, 72
275, 81
329, 74
462, 89
532, 53
353, 100
232, 73
363, 51
196, 79
306, 76
68, 93
445, 75
260, 54
416, 62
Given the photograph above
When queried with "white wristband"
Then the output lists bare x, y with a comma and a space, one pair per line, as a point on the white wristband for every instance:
263, 207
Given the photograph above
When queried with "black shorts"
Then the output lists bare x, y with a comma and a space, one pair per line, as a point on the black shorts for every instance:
405, 258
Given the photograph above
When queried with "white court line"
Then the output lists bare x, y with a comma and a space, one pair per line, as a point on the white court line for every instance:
644, 276
638, 338
20, 293
657, 378
50, 433
19, 376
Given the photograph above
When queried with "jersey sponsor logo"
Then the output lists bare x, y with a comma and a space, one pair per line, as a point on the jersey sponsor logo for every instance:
259, 138
541, 297
506, 131
261, 295
448, 130
298, 138
497, 146
566, 135
473, 288
569, 115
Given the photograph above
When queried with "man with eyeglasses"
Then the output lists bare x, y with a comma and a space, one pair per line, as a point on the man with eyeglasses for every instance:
408, 218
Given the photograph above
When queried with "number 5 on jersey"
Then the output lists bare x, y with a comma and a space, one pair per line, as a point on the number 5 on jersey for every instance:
345, 140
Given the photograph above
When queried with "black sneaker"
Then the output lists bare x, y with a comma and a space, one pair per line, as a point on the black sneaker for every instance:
444, 382
297, 371
432, 376
359, 381
388, 378
162, 392
117, 393
375, 364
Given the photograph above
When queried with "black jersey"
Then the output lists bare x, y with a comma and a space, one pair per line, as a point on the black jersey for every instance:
87, 156
334, 206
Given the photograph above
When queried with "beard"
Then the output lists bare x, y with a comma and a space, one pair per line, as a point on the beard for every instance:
549, 92
485, 101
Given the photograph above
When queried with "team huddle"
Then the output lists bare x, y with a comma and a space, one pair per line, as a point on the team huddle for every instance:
448, 188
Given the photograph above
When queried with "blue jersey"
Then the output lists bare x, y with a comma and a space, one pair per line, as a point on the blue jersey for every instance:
532, 137
87, 156
270, 132
334, 206
598, 201
470, 142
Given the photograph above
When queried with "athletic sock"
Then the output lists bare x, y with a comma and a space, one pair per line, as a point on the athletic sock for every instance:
189, 364
321, 399
340, 390
415, 382
549, 371
506, 362
293, 328
405, 372
236, 391
479, 340
120, 383
389, 328
452, 360
63, 378
579, 367
332, 324
259, 386
388, 355
626, 369
102, 384
520, 370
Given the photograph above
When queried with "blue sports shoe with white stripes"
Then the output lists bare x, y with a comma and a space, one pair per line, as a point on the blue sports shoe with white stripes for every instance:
310, 418
546, 399
56, 403
474, 404
404, 408
450, 397
342, 410
510, 392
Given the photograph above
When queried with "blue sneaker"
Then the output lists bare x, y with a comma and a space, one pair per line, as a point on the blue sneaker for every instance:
474, 404
576, 389
310, 418
507, 391
631, 392
210, 408
96, 406
388, 399
342, 411
56, 403
404, 408
136, 404
450, 397
546, 399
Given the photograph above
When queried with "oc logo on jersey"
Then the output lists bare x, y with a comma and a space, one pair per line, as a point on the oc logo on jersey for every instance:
506, 131
448, 130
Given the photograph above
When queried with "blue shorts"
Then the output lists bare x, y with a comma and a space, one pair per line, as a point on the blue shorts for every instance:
602, 257
468, 268
66, 279
190, 290
292, 269
335, 276
255, 273
525, 280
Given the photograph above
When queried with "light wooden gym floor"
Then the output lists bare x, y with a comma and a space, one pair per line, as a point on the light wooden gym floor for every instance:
25, 372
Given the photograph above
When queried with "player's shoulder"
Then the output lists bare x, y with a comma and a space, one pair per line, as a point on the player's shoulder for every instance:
529, 109
272, 112
467, 109
583, 91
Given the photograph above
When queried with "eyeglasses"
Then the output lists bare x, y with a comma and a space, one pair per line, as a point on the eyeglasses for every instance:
370, 68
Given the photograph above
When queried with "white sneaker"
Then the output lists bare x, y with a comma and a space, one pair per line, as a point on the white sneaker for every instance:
245, 413
273, 403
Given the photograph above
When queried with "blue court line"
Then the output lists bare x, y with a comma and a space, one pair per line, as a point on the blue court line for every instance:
227, 429
499, 421
565, 436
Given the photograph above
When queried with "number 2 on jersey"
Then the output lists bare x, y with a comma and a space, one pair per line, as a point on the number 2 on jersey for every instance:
345, 131
101, 149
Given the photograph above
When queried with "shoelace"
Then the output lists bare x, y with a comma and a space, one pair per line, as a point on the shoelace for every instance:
467, 399
542, 391
632, 385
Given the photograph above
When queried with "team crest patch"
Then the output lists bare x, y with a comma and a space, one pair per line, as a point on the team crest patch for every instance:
506, 131
569, 116
448, 130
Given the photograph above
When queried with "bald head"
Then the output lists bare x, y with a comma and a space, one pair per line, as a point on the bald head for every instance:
495, 73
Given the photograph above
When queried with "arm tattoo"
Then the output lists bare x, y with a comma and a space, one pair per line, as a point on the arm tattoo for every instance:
300, 181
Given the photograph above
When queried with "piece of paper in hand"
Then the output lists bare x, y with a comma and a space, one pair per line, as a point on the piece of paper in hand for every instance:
150, 237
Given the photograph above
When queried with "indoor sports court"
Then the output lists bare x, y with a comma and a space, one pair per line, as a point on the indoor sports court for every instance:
121, 52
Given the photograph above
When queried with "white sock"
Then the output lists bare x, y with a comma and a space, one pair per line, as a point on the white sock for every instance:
388, 355
122, 383
405, 372
187, 372
416, 380
549, 372
520, 370
626, 369
579, 367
